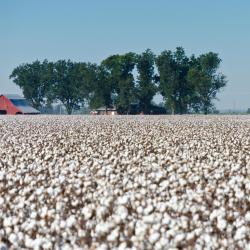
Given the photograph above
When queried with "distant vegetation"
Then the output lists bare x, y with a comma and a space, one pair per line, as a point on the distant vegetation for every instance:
188, 85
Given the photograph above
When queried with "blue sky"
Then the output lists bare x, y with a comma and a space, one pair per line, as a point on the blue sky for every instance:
84, 30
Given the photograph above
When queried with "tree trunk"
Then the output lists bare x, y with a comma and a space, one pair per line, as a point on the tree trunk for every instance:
69, 109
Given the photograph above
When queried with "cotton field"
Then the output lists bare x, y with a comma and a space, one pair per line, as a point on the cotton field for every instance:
124, 182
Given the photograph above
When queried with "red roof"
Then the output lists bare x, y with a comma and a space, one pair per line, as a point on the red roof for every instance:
14, 104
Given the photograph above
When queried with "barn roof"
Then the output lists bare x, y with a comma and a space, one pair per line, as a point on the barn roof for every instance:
21, 104
28, 110
13, 97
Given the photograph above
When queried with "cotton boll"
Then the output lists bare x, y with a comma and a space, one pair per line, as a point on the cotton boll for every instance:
122, 212
153, 238
221, 224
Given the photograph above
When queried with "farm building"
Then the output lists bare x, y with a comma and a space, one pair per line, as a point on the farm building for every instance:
15, 105
104, 111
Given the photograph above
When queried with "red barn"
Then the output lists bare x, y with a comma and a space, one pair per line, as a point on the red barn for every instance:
15, 105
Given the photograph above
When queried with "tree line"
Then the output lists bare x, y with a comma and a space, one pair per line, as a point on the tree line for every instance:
187, 84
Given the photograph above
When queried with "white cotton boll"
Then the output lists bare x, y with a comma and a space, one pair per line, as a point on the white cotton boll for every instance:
71, 221
2, 175
179, 237
239, 194
153, 238
102, 247
240, 233
140, 229
213, 215
158, 246
148, 209
46, 244
61, 178
122, 246
123, 200
140, 210
247, 216
13, 238
37, 243
164, 184
221, 224
102, 228
8, 230
248, 246
182, 182
101, 212
117, 219
122, 212
113, 236
29, 243
39, 191
33, 215
66, 246
87, 212
1, 201
7, 222
149, 219
108, 201
247, 185
20, 236
43, 212
162, 207
164, 242
50, 191
59, 206
3, 246
30, 225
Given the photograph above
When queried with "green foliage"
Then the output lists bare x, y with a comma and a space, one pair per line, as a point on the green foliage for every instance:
204, 81
187, 84
173, 68
67, 83
121, 78
146, 88
33, 81
102, 89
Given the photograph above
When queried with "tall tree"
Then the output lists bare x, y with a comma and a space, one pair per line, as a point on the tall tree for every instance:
67, 84
184, 90
103, 88
173, 68
126, 84
120, 68
86, 77
205, 80
146, 88
33, 81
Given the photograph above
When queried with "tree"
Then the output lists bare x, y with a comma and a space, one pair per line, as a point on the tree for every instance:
87, 79
126, 83
102, 89
146, 88
120, 68
173, 68
205, 80
67, 84
187, 84
33, 81
184, 90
